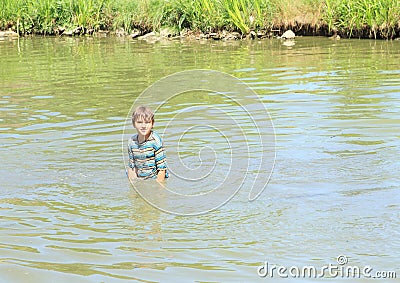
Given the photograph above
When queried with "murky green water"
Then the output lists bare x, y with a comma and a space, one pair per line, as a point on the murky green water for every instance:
68, 213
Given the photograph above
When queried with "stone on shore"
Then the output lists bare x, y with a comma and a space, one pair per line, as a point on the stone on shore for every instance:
8, 33
135, 34
335, 37
289, 34
59, 30
150, 37
77, 31
120, 32
232, 36
167, 33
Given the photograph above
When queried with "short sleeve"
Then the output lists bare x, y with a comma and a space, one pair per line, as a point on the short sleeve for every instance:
131, 162
159, 153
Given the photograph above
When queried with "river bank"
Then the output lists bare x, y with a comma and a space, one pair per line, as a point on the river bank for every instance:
217, 19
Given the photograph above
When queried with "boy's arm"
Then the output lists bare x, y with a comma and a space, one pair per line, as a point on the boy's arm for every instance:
160, 160
161, 175
132, 173
131, 167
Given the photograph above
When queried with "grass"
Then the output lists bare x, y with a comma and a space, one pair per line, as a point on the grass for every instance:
44, 16
349, 18
364, 18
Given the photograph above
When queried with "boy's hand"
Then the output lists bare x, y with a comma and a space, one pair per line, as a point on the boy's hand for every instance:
161, 176
132, 174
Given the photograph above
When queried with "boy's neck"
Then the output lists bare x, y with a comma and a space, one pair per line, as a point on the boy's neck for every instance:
142, 138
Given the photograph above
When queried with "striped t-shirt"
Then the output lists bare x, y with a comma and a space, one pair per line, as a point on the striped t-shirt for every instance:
147, 157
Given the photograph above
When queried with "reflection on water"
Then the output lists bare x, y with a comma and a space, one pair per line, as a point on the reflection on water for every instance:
69, 214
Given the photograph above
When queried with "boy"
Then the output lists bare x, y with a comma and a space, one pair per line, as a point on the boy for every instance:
146, 152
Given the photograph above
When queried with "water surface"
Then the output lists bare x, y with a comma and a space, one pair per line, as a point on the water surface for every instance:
69, 214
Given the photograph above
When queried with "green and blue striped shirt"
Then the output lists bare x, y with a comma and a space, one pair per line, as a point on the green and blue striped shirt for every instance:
147, 157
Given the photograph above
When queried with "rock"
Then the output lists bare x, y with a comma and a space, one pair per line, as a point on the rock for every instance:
335, 37
68, 33
78, 31
12, 34
8, 33
261, 34
232, 36
215, 36
135, 34
175, 37
59, 30
186, 32
201, 36
103, 33
236, 34
149, 37
167, 32
120, 32
289, 34
252, 35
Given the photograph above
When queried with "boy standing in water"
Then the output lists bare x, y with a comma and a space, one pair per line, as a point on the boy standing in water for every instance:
146, 152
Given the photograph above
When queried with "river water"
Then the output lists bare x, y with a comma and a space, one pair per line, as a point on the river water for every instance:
68, 213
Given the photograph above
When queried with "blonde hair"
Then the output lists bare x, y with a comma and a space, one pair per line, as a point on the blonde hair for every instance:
143, 112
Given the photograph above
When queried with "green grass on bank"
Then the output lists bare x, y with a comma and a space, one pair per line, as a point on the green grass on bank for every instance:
357, 18
364, 18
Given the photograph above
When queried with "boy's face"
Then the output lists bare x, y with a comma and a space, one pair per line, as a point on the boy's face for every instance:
143, 127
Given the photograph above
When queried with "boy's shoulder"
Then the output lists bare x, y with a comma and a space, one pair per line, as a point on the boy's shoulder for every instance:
155, 137
133, 138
